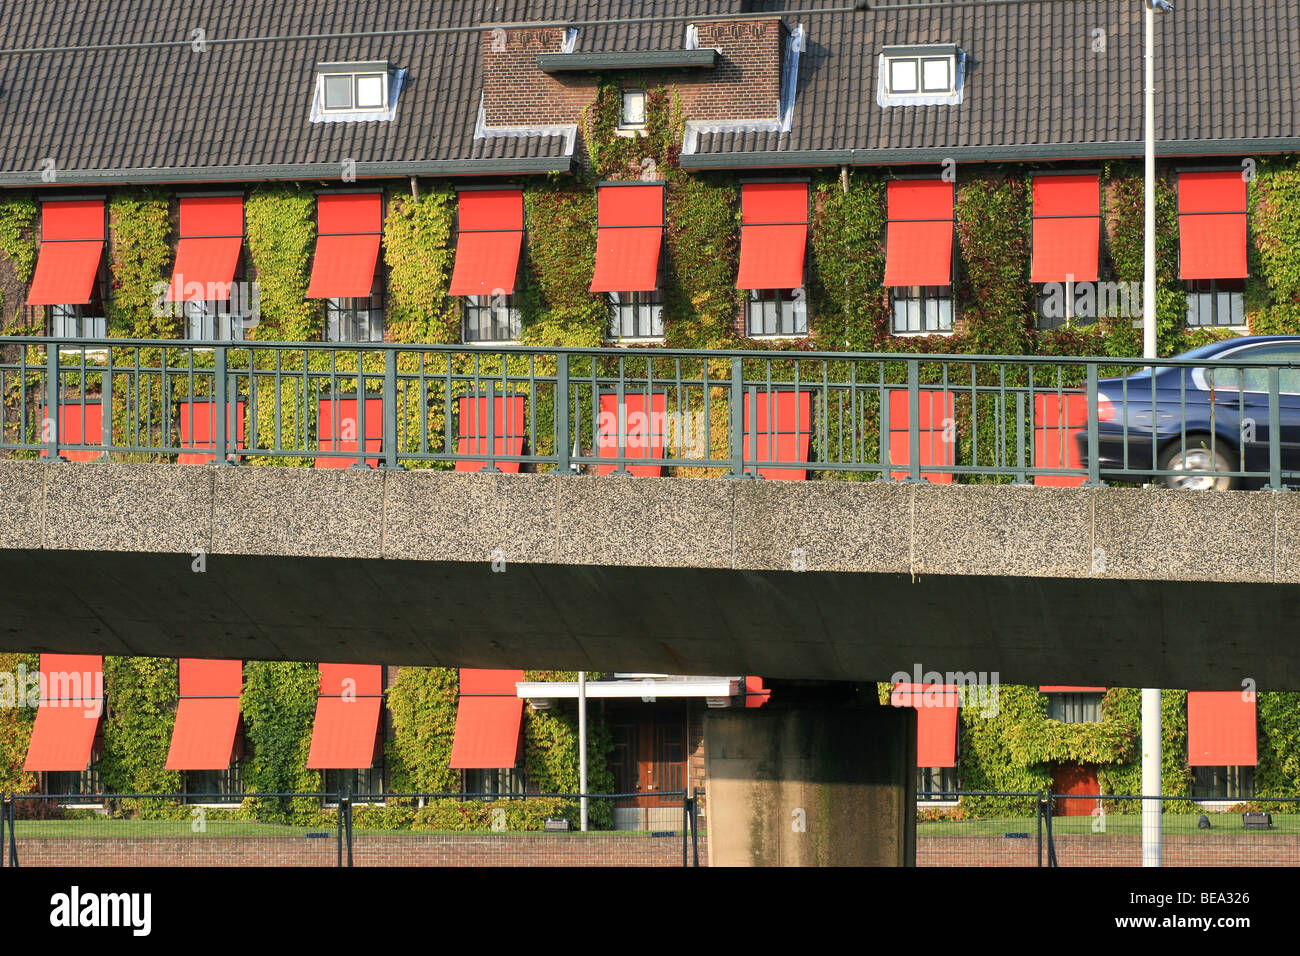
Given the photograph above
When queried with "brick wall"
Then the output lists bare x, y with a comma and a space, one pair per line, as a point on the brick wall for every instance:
389, 849
745, 84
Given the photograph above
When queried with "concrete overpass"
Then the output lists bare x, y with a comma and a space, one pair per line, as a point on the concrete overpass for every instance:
1105, 586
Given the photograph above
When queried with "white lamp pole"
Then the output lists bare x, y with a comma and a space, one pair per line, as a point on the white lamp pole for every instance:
582, 748
1151, 736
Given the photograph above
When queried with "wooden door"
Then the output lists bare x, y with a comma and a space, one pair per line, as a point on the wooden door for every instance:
1073, 778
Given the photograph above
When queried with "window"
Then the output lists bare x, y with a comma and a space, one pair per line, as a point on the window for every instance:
936, 783
636, 315
214, 786
1216, 303
1074, 708
79, 321
920, 76
491, 784
352, 92
1058, 306
632, 113
355, 91
777, 312
1223, 783
75, 786
922, 309
209, 321
355, 320
491, 319
365, 782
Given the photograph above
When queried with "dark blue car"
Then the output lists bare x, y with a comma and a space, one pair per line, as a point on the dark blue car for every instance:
1207, 418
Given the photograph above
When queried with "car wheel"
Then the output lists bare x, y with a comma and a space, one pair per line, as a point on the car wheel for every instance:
1198, 454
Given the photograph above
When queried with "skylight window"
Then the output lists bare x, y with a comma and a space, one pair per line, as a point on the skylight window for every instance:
355, 92
920, 76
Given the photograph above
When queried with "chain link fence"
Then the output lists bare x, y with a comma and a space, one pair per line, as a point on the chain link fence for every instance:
322, 829
1106, 830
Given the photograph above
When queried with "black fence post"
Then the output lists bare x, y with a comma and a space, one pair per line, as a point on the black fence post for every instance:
1051, 843
1039, 819
339, 822
695, 826
7, 810
686, 825
4, 815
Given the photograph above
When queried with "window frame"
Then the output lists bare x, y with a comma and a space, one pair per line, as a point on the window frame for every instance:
944, 774
516, 780
923, 299
623, 124
1238, 783
1065, 702
354, 88
1212, 295
514, 319
798, 305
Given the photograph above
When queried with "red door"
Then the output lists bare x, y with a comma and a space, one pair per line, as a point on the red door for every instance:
650, 757
1073, 778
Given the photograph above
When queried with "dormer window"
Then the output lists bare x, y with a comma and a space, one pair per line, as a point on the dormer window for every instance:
920, 76
353, 92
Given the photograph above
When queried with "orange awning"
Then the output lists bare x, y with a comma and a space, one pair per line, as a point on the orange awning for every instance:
491, 234
773, 234
347, 245
639, 433
344, 735
507, 427
918, 237
1067, 228
207, 714
1212, 225
68, 713
936, 721
488, 720
630, 226
778, 428
72, 243
211, 232
1221, 729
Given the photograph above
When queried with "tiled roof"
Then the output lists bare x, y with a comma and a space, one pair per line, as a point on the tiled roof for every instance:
1229, 71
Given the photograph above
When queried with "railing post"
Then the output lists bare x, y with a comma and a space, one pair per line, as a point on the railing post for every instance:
1021, 475
8, 810
737, 400
347, 823
563, 440
361, 413
220, 408
1094, 466
390, 408
913, 419
50, 425
1274, 431
695, 827
885, 473
339, 828
106, 402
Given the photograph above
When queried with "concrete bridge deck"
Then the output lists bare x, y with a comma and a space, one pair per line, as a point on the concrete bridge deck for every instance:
1107, 586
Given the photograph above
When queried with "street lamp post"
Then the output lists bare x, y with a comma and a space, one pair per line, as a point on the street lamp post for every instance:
1151, 735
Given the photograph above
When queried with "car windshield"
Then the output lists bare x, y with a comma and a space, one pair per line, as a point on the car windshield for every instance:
1255, 379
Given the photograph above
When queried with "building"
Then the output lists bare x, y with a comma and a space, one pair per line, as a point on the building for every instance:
957, 179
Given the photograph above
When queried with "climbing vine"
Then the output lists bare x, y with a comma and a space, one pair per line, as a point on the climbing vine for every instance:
280, 237
418, 251
16, 720
422, 702
279, 705
142, 692
140, 258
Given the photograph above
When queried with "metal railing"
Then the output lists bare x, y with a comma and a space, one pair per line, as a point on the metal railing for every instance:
349, 829
1052, 830
750, 414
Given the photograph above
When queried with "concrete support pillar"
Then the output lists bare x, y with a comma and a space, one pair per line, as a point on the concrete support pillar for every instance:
811, 785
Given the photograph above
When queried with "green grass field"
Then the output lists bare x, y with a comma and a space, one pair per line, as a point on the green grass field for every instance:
1174, 824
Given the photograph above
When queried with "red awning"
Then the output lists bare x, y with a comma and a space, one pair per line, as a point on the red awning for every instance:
1056, 419
198, 420
936, 427
490, 236
936, 721
79, 424
773, 233
642, 431
337, 428
488, 720
783, 437
211, 232
68, 713
756, 695
1221, 729
1212, 225
1067, 228
344, 735
918, 238
507, 426
347, 245
207, 714
630, 227
72, 243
